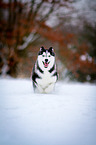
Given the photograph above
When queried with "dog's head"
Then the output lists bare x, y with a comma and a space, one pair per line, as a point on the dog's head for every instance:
46, 58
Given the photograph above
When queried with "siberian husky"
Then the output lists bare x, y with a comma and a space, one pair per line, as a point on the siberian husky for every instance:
44, 74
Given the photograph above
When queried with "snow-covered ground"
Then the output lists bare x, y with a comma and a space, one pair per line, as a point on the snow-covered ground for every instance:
65, 117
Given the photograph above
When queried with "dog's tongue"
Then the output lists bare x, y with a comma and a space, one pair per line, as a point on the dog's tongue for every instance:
46, 64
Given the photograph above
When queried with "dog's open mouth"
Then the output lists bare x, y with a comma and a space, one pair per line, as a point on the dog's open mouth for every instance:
46, 64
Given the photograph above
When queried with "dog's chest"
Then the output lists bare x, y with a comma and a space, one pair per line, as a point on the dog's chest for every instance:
46, 79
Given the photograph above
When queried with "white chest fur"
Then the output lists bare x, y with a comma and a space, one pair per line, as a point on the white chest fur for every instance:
46, 79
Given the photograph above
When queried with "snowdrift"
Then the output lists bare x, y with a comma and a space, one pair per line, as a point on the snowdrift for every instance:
65, 117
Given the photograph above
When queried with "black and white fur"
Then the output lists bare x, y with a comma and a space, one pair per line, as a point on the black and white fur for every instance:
44, 74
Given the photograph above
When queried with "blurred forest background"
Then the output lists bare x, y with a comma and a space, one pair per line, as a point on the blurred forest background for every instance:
69, 26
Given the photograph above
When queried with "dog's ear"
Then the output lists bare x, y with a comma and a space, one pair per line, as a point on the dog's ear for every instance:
42, 48
50, 49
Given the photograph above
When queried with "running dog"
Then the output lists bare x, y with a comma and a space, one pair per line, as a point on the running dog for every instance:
44, 73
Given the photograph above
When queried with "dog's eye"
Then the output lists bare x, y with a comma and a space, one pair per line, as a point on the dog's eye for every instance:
43, 55
49, 56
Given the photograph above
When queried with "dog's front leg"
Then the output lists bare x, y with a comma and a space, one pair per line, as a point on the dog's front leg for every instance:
50, 88
40, 89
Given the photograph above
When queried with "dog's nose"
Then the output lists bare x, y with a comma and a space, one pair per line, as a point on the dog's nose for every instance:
46, 60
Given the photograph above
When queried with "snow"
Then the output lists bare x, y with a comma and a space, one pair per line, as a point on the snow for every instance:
86, 57
65, 117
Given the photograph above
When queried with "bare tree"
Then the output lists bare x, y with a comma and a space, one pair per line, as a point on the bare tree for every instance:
20, 23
